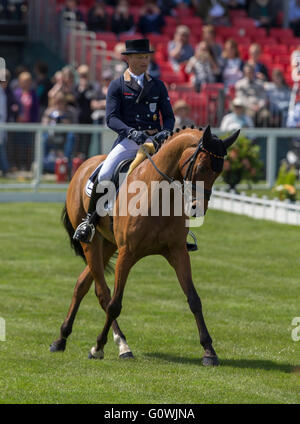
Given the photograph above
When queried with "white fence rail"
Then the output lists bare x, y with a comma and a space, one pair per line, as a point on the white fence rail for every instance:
271, 135
284, 212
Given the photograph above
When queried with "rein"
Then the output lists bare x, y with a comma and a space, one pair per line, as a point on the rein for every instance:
189, 171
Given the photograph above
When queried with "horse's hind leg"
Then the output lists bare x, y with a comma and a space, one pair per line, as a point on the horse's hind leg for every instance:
180, 261
102, 290
113, 310
82, 286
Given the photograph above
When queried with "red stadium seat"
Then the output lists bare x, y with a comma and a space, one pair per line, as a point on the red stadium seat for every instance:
182, 12
256, 34
281, 33
157, 38
106, 36
171, 78
239, 13
276, 49
283, 59
243, 23
123, 37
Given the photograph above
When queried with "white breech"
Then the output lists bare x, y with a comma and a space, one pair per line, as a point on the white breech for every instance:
126, 149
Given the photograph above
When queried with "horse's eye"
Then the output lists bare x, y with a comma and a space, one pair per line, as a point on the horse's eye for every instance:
201, 169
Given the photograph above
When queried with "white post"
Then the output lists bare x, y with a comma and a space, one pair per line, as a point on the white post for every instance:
271, 160
38, 159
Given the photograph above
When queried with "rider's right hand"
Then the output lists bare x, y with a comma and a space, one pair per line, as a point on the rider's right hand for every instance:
138, 136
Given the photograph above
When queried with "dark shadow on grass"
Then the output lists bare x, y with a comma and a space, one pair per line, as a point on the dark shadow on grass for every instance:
235, 363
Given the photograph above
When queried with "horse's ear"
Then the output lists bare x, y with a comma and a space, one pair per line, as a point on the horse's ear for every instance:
206, 136
231, 139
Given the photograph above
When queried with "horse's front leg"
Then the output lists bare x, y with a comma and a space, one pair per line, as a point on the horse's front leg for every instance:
180, 261
113, 310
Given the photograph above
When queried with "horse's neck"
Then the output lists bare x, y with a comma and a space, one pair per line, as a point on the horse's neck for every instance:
167, 158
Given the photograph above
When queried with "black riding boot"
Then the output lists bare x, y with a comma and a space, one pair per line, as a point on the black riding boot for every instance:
86, 230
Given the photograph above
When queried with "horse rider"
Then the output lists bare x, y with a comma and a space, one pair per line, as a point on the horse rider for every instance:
133, 107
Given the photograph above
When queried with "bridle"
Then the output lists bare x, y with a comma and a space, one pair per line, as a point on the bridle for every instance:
189, 172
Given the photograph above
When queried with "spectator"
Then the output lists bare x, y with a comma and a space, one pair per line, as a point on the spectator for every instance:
236, 4
167, 6
232, 64
203, 66
97, 18
13, 109
15, 81
58, 113
43, 85
179, 49
261, 71
27, 98
13, 9
209, 35
263, 12
295, 64
57, 83
151, 18
122, 20
294, 16
71, 6
29, 112
293, 119
98, 104
212, 12
252, 93
237, 118
119, 64
279, 95
85, 92
4, 166
182, 111
153, 68
68, 85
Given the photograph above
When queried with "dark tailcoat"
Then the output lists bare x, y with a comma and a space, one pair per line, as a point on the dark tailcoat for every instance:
130, 106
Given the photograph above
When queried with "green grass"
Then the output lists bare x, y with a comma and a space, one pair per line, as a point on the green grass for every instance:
246, 272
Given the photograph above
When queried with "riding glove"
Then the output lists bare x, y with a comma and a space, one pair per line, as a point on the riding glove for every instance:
160, 137
138, 136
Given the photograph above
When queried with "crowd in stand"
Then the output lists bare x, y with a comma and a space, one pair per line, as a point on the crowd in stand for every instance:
13, 9
259, 96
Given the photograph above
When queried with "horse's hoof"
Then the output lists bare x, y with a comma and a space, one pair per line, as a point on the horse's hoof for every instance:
126, 355
210, 361
58, 346
91, 356
96, 354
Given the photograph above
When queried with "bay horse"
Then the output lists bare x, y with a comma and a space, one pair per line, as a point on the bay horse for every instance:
188, 154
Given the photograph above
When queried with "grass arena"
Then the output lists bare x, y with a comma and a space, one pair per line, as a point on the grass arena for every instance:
245, 271
197, 93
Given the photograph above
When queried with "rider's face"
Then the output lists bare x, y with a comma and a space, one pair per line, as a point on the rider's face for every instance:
138, 63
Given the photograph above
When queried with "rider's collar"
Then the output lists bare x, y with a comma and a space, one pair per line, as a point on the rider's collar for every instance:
127, 76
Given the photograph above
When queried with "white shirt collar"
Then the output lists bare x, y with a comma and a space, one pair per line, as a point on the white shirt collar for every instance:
139, 78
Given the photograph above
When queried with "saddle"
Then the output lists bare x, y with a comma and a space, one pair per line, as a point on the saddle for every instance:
122, 168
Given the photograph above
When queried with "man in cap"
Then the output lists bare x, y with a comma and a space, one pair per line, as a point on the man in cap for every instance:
134, 104
237, 118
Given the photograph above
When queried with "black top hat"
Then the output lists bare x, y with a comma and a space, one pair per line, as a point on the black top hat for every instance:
137, 46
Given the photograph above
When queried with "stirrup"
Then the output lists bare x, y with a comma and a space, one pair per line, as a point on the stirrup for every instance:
192, 247
84, 232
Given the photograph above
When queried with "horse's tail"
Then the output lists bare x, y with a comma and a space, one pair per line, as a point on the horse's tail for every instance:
70, 230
